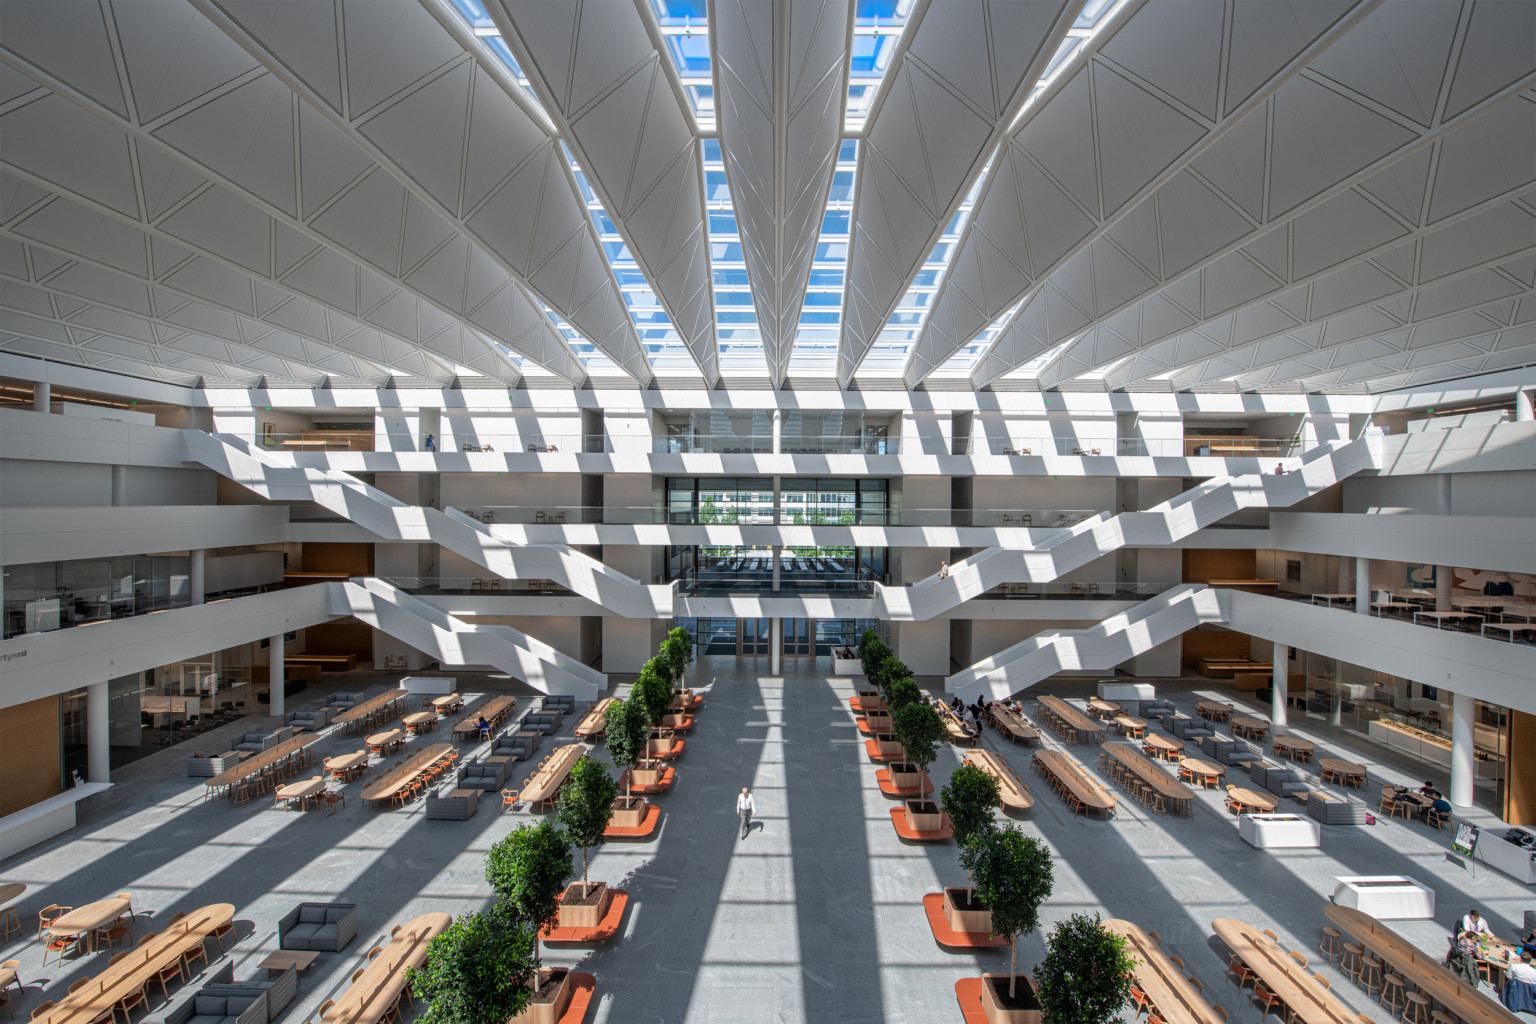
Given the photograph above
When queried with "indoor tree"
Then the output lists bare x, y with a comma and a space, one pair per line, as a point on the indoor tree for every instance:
1085, 977
872, 651
968, 799
527, 870
677, 653
918, 729
902, 692
480, 970
626, 729
892, 670
585, 806
654, 691
1013, 876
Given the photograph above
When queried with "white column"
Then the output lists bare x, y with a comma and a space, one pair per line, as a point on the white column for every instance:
1336, 716
777, 551
778, 431
775, 645
1278, 705
1524, 412
276, 676
98, 734
1363, 586
119, 485
1443, 581
1463, 763
42, 395
195, 575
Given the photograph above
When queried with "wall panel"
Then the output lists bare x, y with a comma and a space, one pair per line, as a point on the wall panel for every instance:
29, 753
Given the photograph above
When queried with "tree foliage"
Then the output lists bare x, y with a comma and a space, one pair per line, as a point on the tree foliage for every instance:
1013, 876
480, 970
1085, 977
918, 729
585, 806
901, 693
968, 799
527, 870
626, 729
654, 691
892, 671
676, 653
872, 652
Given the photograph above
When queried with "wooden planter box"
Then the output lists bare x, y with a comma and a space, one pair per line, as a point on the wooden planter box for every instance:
996, 1012
550, 1008
628, 814
646, 773
965, 920
905, 775
879, 721
676, 721
887, 745
585, 915
868, 700
682, 700
660, 741
924, 815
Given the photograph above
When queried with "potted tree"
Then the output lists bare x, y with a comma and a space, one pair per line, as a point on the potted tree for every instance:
628, 731
1085, 976
585, 805
654, 692
1013, 876
969, 799
872, 654
903, 691
526, 870
919, 730
479, 970
677, 654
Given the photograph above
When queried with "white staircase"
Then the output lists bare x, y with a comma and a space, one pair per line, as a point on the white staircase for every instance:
433, 631
1098, 648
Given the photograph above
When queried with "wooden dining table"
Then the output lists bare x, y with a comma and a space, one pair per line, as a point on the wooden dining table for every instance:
420, 721
377, 989
1106, 709
1011, 792
143, 962
493, 711
403, 776
384, 742
1164, 747
1201, 770
86, 919
1345, 771
1250, 728
545, 782
1175, 999
1130, 725
1067, 721
1014, 726
355, 716
1170, 789
1292, 747
309, 789
1089, 795
595, 721
1309, 1001
1421, 968
1212, 710
447, 702
344, 766
1249, 800
266, 759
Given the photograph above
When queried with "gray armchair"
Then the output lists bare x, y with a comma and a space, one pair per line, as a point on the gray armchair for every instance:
516, 745
562, 702
312, 720
318, 926
483, 775
449, 807
546, 722
256, 742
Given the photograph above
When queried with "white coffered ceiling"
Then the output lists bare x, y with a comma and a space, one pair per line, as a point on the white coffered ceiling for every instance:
1179, 193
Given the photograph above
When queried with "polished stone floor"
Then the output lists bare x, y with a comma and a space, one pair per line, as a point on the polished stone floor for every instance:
816, 916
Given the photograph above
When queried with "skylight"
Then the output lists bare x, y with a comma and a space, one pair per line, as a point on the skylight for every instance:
964, 361
684, 25
877, 27
736, 326
473, 11
814, 352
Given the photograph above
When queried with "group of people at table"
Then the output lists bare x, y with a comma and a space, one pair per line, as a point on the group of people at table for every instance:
1475, 954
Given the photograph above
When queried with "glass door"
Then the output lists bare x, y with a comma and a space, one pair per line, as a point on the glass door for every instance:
799, 637
717, 636
753, 637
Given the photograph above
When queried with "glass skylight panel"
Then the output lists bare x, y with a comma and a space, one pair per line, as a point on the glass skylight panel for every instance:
877, 27
473, 12
814, 352
736, 326
1094, 16
964, 361
685, 27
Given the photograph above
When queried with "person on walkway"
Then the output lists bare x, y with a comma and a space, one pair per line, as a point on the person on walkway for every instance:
431, 443
744, 809
943, 570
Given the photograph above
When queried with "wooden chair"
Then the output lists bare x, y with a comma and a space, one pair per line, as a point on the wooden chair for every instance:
357, 974
1218, 1011
1245, 975
324, 1007
1271, 1002
508, 798
197, 952
1435, 818
394, 931
58, 944
1388, 805
1320, 979
138, 997
5, 1001
375, 951
1297, 957
48, 915
78, 985
42, 1010
165, 974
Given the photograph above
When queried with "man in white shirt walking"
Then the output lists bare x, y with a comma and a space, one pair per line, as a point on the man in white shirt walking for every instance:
744, 809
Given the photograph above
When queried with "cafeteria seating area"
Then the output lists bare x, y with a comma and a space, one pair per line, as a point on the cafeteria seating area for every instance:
817, 915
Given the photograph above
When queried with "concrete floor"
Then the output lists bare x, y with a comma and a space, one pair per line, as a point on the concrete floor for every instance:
816, 916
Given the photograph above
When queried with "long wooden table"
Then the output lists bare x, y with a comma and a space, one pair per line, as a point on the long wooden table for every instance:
254, 765
134, 971
370, 998
355, 716
1145, 769
595, 721
1419, 967
1309, 1001
1176, 1000
494, 711
1011, 792
1068, 722
399, 778
1015, 727
546, 780
1074, 778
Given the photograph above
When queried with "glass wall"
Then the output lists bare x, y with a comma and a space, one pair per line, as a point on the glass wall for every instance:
834, 502
801, 569
732, 500
45, 596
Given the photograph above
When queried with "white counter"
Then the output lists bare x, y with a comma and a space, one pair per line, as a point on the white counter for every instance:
1279, 831
1127, 691
1492, 849
1386, 897
435, 686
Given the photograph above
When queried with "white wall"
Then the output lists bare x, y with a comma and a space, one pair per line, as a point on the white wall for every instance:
154, 485
531, 491
28, 484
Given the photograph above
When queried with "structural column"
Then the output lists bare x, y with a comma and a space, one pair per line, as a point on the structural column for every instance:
775, 646
98, 733
119, 485
195, 575
42, 396
1443, 582
778, 431
1463, 761
1363, 586
1525, 411
1278, 703
276, 675
777, 551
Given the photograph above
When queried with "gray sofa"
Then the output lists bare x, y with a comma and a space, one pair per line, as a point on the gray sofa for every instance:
343, 701
1335, 808
1285, 781
546, 722
222, 1000
483, 775
1155, 709
562, 702
318, 926
256, 742
312, 720
447, 807
1186, 728
1234, 752
516, 745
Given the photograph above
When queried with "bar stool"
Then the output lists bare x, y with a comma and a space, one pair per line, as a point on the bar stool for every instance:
1370, 974
1350, 965
1393, 993
1440, 1017
1331, 947
1417, 1011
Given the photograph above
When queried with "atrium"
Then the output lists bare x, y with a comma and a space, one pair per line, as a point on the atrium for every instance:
767, 510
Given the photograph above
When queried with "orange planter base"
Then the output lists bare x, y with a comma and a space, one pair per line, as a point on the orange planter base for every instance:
936, 835
606, 929
668, 774
968, 992
644, 830
687, 724
866, 704
933, 907
874, 753
867, 729
583, 988
671, 753
883, 776
694, 705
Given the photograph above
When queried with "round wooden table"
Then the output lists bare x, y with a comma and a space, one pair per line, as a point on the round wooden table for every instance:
8, 921
1103, 708
1293, 748
88, 919
1202, 771
420, 721
300, 791
1252, 728
1248, 800
1131, 726
1164, 748
1213, 709
1343, 772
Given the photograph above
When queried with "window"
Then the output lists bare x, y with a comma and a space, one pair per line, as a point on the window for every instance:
1293, 570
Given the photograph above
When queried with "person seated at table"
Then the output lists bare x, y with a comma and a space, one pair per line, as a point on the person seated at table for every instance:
1529, 942
1429, 790
1522, 969
1473, 922
1462, 959
956, 704
979, 709
1440, 805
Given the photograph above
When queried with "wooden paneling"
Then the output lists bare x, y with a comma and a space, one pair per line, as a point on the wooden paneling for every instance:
1201, 565
352, 559
1520, 789
348, 637
29, 753
1213, 643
